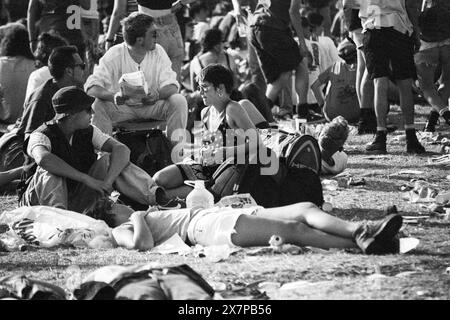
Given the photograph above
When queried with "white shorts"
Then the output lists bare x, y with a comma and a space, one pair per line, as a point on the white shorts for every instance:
214, 227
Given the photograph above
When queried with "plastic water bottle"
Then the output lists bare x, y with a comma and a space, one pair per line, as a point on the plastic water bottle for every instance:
200, 197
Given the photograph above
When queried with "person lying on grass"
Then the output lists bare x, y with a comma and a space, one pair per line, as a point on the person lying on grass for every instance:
302, 224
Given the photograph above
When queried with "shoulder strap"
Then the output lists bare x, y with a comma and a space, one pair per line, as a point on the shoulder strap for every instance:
200, 62
228, 60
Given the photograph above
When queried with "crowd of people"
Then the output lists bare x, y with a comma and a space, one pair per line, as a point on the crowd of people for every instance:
72, 70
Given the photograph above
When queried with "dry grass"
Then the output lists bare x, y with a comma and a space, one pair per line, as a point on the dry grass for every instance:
337, 274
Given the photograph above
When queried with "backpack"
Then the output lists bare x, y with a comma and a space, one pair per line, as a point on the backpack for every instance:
11, 151
301, 151
300, 185
230, 178
150, 149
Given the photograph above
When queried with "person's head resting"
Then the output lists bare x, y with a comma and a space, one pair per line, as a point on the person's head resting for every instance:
347, 51
16, 42
65, 64
215, 83
139, 30
212, 40
72, 105
46, 43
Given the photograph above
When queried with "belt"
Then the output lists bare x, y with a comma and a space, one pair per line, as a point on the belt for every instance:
165, 20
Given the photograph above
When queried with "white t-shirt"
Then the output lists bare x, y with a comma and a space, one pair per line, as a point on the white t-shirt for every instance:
40, 139
376, 14
36, 79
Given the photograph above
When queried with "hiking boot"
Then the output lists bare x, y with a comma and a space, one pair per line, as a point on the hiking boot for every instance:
314, 117
367, 122
302, 111
378, 237
378, 145
315, 108
412, 144
433, 119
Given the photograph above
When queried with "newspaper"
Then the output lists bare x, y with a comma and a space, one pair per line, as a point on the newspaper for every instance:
134, 86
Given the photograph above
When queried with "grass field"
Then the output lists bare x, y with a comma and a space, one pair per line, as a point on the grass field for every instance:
419, 274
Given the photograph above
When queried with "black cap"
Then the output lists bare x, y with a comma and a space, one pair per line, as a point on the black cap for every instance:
70, 100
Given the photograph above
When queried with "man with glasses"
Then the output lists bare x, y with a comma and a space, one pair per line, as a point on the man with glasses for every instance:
139, 52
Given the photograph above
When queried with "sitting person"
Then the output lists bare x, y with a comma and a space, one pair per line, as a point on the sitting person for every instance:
67, 174
302, 224
221, 117
139, 52
340, 78
46, 43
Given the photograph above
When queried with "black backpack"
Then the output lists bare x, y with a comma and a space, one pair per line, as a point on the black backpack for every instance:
230, 178
150, 149
434, 24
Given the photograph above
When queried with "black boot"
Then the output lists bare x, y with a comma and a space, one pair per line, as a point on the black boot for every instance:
412, 144
378, 146
367, 122
433, 118
446, 116
302, 111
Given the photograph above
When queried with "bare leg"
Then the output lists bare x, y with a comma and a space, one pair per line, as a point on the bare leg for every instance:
309, 214
171, 179
406, 101
274, 88
425, 74
302, 82
256, 231
381, 103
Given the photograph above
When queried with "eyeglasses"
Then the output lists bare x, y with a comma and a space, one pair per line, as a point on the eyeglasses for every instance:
82, 65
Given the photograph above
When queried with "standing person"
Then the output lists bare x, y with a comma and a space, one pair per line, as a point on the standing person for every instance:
122, 9
90, 18
16, 65
257, 76
169, 35
62, 16
434, 55
279, 54
323, 7
67, 174
364, 86
139, 52
389, 44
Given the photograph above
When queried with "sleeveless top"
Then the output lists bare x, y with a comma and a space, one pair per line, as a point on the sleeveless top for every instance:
273, 13
217, 138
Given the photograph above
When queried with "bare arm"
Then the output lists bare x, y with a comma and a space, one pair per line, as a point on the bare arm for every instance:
32, 17
55, 165
101, 93
119, 159
317, 91
136, 237
118, 13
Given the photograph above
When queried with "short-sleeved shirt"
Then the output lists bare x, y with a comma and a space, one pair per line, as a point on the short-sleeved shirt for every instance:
38, 108
40, 139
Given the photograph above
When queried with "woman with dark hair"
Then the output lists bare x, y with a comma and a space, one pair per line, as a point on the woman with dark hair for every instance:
16, 64
46, 43
223, 120
212, 52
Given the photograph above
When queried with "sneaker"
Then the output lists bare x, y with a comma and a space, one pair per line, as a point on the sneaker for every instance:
432, 121
376, 237
378, 145
173, 204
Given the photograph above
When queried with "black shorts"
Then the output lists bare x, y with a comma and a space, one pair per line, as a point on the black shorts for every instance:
277, 51
389, 53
